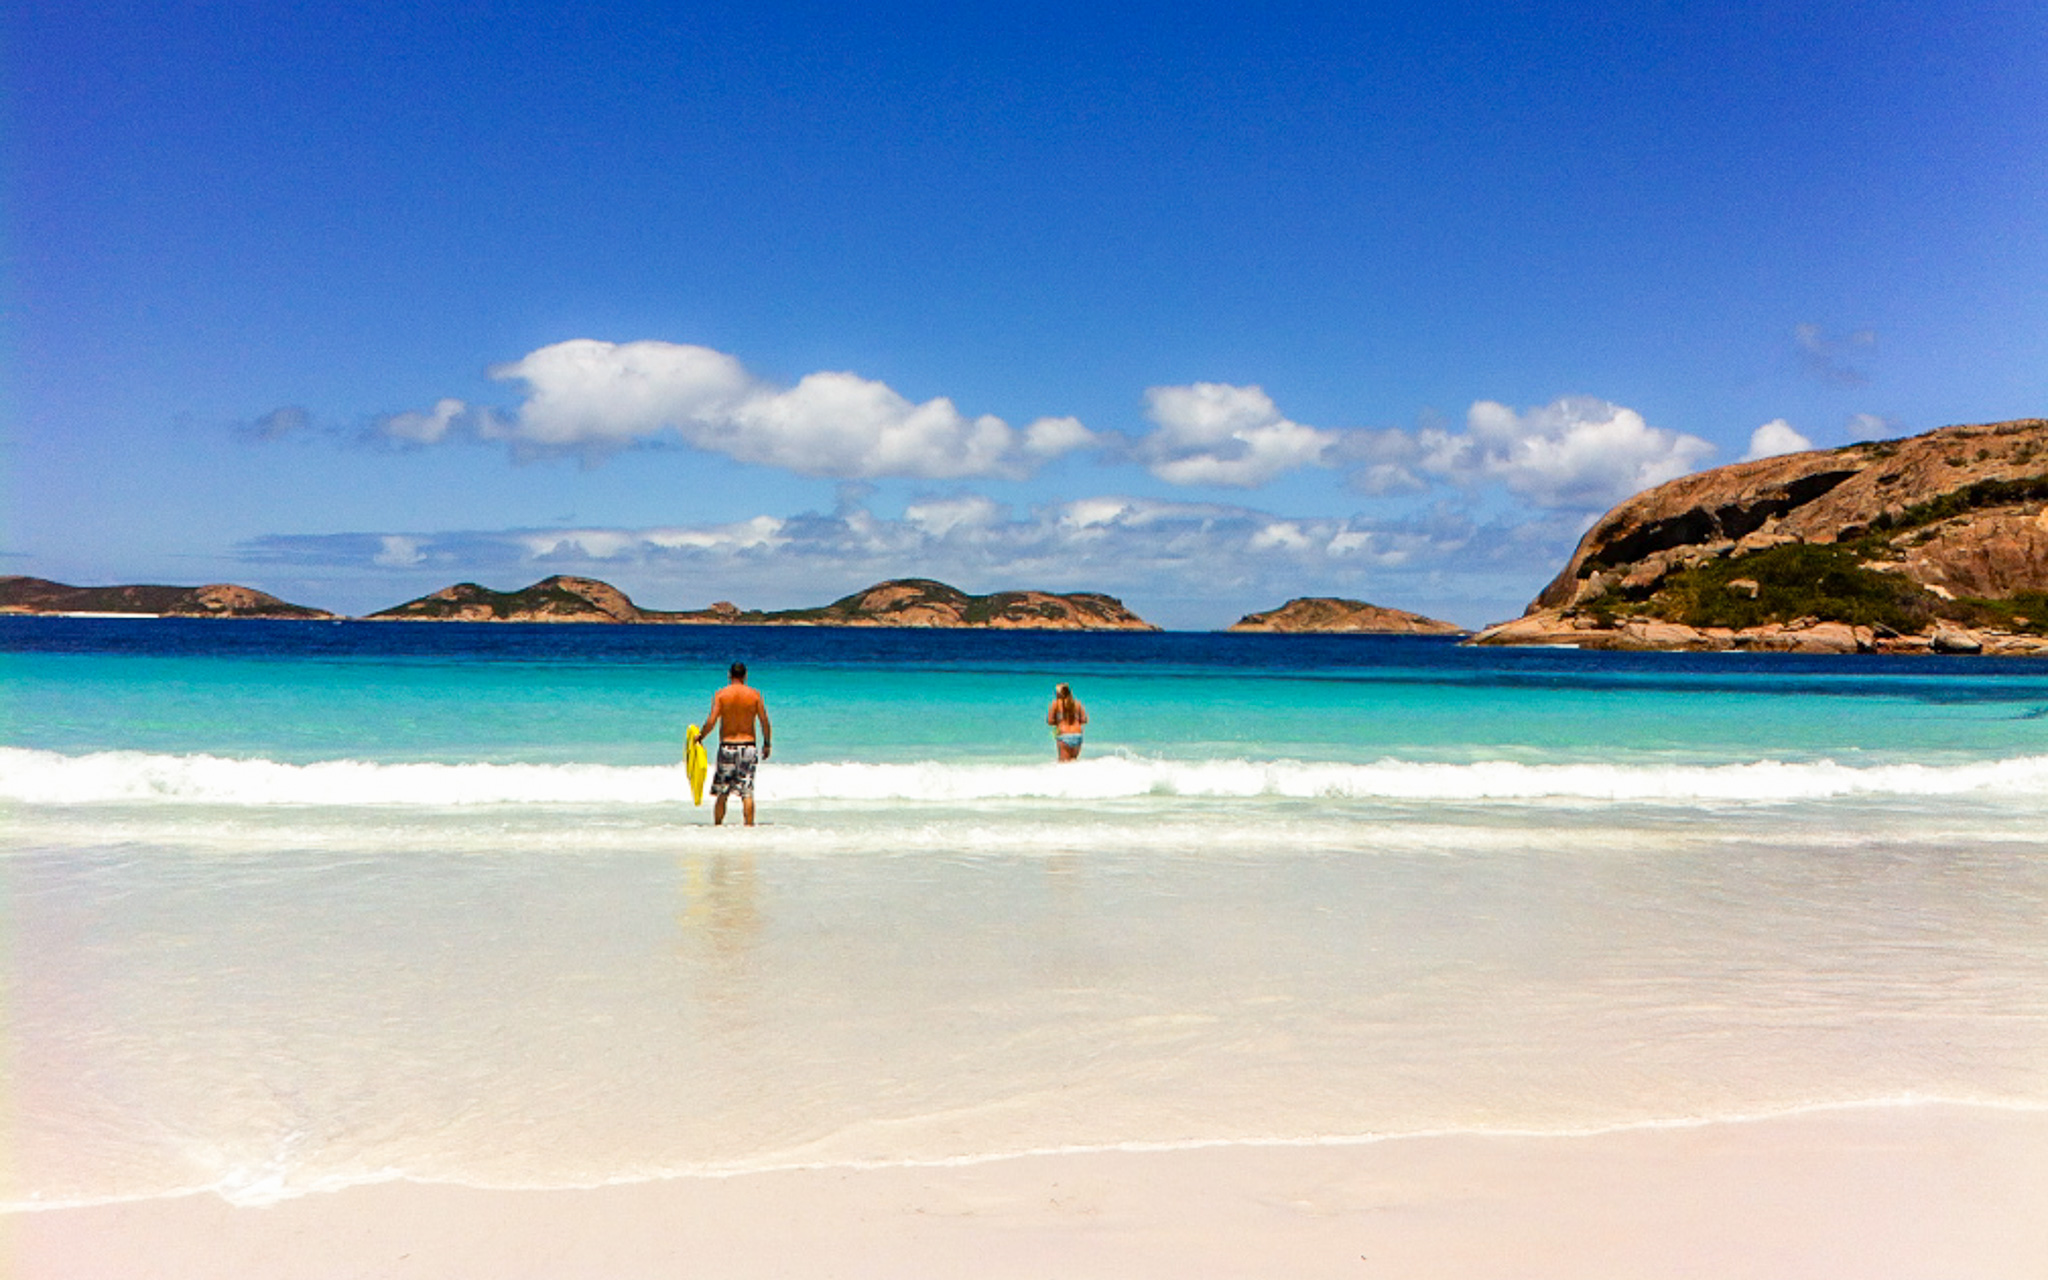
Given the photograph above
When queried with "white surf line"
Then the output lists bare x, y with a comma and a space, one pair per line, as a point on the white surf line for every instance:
245, 1195
48, 778
1654, 1124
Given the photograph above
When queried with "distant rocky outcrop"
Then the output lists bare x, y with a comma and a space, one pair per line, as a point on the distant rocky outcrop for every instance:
1936, 543
921, 602
908, 602
557, 599
216, 600
1333, 614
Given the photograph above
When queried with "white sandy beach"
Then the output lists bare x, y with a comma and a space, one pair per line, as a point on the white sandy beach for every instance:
1901, 1193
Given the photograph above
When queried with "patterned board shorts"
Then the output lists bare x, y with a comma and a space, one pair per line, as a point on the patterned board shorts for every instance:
735, 775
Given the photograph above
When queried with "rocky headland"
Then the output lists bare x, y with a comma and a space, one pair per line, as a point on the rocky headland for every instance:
907, 602
216, 600
1935, 543
1332, 614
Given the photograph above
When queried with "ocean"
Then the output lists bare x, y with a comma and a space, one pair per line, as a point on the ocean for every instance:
298, 906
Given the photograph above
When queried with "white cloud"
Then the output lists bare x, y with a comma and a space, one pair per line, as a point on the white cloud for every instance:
584, 394
396, 551
1384, 479
596, 397
1773, 438
759, 533
1281, 535
837, 424
587, 544
1217, 434
1050, 437
1576, 453
430, 427
941, 517
1091, 513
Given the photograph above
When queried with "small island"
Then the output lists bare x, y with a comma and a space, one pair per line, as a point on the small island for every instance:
1337, 616
904, 602
23, 595
557, 599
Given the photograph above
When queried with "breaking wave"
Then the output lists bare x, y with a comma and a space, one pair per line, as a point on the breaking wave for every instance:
33, 777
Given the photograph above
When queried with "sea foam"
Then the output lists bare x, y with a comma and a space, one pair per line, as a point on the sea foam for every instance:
34, 777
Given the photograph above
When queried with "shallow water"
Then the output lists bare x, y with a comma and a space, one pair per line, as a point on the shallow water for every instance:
298, 905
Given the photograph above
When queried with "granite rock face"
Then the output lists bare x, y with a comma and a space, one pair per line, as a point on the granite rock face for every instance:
1332, 614
1936, 543
215, 600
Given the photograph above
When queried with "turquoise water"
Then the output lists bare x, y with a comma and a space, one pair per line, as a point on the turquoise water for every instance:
299, 906
1412, 700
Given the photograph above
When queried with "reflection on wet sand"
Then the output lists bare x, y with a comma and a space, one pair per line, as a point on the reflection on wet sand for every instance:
719, 925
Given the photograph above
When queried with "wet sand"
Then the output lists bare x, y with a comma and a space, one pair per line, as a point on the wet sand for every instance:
1927, 1191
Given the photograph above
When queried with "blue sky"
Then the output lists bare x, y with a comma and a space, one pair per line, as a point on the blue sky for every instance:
1206, 306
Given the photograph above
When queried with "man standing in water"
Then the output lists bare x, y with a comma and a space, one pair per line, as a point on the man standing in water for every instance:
735, 708
1067, 718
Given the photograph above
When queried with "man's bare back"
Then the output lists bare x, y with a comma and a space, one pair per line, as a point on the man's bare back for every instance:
735, 708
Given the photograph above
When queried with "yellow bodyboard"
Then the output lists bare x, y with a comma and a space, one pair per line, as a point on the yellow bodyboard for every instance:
695, 764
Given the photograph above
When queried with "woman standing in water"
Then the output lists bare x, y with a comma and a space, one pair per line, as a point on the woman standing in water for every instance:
1067, 717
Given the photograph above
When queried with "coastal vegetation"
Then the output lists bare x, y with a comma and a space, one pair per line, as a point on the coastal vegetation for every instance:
1783, 583
1835, 582
1995, 492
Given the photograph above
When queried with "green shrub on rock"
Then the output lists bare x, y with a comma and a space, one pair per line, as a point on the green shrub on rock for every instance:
1795, 580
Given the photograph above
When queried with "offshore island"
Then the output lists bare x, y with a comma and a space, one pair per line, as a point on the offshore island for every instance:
904, 602
1327, 615
901, 602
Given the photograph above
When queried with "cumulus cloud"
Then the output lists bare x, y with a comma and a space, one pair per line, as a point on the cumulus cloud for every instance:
432, 426
762, 533
1773, 438
1050, 437
396, 551
1212, 433
942, 517
1576, 453
593, 398
1828, 358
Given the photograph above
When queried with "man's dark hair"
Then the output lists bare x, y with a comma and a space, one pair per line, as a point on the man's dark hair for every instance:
738, 670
